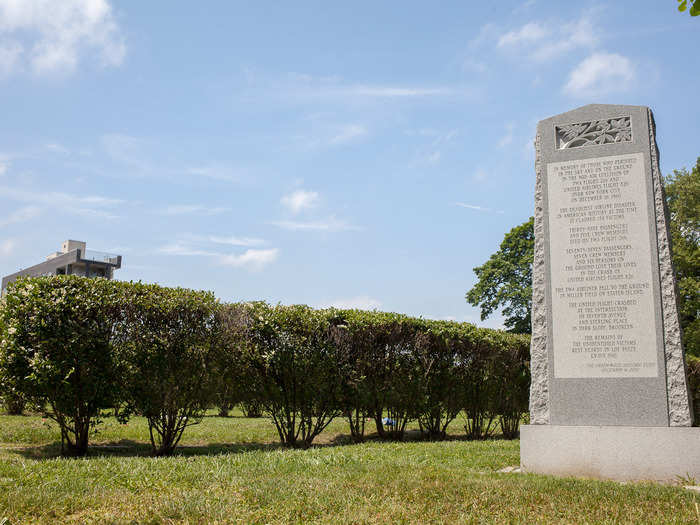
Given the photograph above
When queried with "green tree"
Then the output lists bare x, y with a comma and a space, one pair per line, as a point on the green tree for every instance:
683, 198
56, 350
169, 348
694, 6
293, 361
505, 280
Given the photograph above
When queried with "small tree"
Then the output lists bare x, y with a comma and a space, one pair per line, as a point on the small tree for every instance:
512, 378
169, 348
441, 384
56, 350
294, 362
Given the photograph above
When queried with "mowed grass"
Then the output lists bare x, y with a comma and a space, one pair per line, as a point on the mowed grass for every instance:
230, 470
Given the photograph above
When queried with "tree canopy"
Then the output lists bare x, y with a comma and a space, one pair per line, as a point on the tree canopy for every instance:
693, 4
683, 198
505, 280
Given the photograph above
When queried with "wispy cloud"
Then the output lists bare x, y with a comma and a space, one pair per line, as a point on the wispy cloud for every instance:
507, 137
235, 241
216, 172
331, 224
53, 37
57, 148
432, 151
192, 209
300, 200
88, 205
542, 40
300, 86
251, 259
477, 208
531, 32
348, 133
362, 302
21, 215
599, 74
7, 247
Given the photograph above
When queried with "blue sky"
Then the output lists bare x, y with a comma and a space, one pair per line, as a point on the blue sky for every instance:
361, 154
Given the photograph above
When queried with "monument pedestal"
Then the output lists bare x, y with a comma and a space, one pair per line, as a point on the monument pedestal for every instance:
611, 452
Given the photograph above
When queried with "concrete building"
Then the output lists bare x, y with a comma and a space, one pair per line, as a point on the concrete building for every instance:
73, 259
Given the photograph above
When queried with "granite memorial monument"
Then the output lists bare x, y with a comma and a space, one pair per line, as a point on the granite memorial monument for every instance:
609, 394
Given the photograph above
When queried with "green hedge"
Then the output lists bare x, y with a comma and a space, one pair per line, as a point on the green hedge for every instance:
75, 347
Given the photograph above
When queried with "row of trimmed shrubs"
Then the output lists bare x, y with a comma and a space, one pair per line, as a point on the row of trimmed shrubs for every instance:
75, 347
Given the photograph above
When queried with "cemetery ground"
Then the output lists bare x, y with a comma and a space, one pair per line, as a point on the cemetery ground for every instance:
233, 470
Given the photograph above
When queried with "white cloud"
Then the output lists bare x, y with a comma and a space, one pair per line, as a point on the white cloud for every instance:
216, 172
10, 53
3, 167
507, 138
303, 86
600, 73
300, 200
331, 224
54, 36
477, 208
7, 247
546, 40
480, 175
251, 259
361, 302
57, 148
192, 209
235, 241
88, 205
432, 152
180, 248
394, 91
527, 34
21, 215
348, 133
578, 34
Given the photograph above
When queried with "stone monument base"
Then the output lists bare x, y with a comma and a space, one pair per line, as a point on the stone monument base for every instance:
611, 452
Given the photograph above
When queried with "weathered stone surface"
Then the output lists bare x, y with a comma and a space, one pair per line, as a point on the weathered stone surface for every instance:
680, 411
539, 385
625, 367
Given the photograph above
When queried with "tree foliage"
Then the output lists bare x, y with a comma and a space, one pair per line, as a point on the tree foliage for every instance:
505, 280
683, 198
693, 4
169, 346
293, 362
56, 350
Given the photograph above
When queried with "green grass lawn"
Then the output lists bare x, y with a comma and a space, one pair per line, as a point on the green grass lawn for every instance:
232, 470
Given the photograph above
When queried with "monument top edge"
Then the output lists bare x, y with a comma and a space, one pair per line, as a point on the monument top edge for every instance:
593, 111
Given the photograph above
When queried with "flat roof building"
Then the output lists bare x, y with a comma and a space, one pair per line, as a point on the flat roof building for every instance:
73, 259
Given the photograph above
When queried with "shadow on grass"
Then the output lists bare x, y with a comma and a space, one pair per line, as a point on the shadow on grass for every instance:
132, 448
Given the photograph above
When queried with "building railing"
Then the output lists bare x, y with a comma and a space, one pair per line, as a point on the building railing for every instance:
92, 255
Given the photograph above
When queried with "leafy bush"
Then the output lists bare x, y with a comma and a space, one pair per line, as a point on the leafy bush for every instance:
169, 347
293, 362
442, 386
56, 350
380, 370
